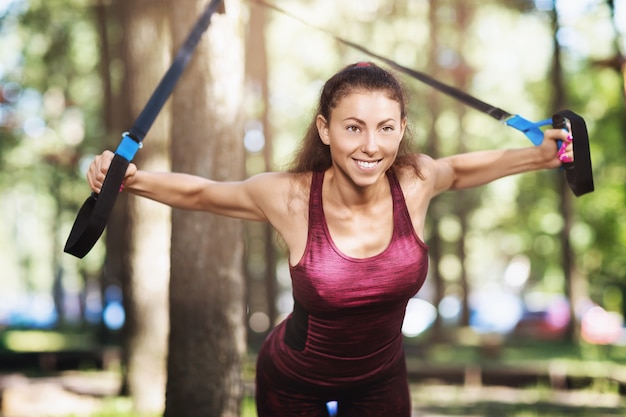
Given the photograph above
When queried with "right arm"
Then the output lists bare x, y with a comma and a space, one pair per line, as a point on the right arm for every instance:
256, 198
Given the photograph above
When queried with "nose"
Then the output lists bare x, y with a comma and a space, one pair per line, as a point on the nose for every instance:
370, 144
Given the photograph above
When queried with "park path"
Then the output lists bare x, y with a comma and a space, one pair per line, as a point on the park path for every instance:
81, 394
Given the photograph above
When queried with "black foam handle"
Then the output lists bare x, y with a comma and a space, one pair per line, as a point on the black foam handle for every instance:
579, 173
95, 212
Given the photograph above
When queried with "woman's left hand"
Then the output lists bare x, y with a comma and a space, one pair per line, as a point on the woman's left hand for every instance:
559, 152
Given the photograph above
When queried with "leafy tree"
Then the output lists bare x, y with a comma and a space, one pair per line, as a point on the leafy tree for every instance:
207, 304
146, 54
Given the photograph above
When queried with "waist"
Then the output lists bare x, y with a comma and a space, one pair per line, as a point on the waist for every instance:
350, 334
346, 361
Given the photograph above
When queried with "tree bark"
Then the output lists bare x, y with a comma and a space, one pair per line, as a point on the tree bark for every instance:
147, 57
116, 114
264, 246
207, 307
567, 255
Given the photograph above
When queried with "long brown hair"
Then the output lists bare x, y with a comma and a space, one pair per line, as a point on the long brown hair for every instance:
313, 154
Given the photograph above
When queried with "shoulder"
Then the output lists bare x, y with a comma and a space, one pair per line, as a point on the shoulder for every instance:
281, 191
424, 178
436, 175
284, 199
280, 182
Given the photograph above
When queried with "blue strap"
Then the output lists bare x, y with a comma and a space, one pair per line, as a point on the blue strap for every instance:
530, 129
128, 147
92, 218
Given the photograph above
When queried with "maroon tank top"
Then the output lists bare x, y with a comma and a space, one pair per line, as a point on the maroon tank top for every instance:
348, 313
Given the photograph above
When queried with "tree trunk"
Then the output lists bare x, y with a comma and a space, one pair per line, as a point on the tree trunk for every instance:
148, 55
116, 109
567, 256
463, 201
207, 307
435, 242
262, 290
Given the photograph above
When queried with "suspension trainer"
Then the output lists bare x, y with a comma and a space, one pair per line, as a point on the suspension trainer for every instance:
92, 217
579, 173
95, 211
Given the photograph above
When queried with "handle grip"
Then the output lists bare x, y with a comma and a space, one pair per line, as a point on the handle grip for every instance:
579, 173
95, 212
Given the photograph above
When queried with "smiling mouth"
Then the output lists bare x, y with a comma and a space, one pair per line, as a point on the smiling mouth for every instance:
367, 164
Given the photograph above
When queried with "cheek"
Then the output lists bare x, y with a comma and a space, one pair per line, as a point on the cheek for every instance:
340, 139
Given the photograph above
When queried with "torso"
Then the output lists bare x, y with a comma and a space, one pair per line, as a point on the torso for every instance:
358, 233
349, 309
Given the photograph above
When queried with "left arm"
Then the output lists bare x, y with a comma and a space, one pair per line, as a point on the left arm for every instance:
479, 168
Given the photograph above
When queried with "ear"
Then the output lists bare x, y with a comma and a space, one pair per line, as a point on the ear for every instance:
403, 127
322, 129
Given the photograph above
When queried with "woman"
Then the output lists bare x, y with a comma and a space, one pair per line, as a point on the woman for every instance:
351, 212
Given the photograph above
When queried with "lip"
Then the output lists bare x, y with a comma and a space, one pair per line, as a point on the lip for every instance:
367, 165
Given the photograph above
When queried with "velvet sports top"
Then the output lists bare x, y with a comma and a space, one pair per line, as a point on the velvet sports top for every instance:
348, 312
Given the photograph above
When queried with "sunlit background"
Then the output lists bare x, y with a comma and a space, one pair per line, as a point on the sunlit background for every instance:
497, 269
508, 55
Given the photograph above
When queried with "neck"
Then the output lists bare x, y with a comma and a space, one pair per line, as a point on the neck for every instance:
341, 190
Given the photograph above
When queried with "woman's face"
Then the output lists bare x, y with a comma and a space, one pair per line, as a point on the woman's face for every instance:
364, 134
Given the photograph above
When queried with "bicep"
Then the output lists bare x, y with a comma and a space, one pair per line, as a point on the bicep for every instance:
250, 199
439, 173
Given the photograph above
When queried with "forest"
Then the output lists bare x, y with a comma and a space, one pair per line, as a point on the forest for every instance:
165, 314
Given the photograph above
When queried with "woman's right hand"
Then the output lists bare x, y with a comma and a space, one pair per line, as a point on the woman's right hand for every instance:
100, 166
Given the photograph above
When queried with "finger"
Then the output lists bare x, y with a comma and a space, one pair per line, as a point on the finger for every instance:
128, 176
130, 171
566, 153
105, 160
92, 180
558, 134
98, 169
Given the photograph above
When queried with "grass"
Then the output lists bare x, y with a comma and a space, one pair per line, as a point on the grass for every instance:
594, 389
430, 400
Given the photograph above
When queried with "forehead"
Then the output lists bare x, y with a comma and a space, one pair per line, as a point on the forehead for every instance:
361, 103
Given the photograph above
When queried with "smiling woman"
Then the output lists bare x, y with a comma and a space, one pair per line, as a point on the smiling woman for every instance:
351, 212
365, 133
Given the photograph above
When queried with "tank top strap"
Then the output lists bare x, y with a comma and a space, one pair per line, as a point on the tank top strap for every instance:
401, 217
316, 212
396, 190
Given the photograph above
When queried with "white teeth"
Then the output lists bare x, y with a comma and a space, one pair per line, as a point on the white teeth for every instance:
365, 164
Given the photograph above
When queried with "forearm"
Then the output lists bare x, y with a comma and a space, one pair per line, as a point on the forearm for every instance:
479, 168
173, 189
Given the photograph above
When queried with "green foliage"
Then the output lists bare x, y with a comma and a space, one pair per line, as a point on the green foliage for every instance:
51, 55
119, 407
53, 114
601, 214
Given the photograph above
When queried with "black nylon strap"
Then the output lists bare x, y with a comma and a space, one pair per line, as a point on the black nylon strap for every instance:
94, 214
579, 174
95, 211
454, 92
160, 95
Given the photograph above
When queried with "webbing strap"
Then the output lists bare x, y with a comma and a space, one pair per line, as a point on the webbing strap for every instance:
162, 92
94, 214
532, 130
579, 174
459, 95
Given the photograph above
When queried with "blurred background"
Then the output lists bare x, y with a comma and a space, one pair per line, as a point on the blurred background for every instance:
522, 312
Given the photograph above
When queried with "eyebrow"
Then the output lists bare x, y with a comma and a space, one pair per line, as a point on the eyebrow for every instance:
356, 119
